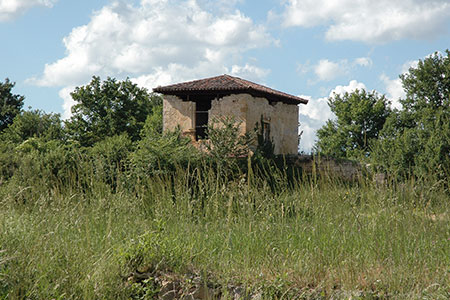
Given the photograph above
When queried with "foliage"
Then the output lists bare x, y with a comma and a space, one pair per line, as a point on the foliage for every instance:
265, 147
8, 161
359, 118
110, 159
45, 165
28, 128
77, 221
160, 153
226, 143
109, 108
417, 138
317, 239
153, 125
10, 104
427, 86
34, 124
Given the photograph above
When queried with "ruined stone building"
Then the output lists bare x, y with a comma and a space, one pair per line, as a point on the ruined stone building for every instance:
193, 105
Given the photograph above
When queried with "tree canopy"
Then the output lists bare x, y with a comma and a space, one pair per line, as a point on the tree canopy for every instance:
412, 140
360, 116
109, 108
34, 124
10, 104
427, 86
418, 136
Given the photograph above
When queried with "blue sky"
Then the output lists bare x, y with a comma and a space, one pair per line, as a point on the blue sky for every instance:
310, 48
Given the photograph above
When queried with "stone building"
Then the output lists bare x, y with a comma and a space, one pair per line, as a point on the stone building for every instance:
193, 105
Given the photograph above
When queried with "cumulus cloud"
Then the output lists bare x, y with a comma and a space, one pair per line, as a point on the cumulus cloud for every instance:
371, 21
10, 9
327, 70
315, 114
394, 90
68, 101
351, 87
249, 72
157, 42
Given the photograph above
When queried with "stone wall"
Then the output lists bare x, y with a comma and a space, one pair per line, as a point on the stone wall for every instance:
235, 106
246, 109
343, 169
178, 113
283, 120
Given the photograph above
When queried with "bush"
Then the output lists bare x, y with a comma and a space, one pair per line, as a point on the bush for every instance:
110, 159
159, 154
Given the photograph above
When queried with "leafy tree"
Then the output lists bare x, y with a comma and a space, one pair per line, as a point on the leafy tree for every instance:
10, 104
34, 124
109, 108
31, 131
427, 86
359, 118
153, 125
417, 138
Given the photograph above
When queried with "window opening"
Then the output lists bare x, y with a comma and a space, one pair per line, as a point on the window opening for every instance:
201, 119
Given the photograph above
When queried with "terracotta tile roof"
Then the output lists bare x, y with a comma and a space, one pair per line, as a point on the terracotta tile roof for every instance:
226, 84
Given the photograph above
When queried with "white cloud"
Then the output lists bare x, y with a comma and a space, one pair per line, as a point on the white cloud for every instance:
308, 128
371, 21
10, 9
351, 87
315, 114
364, 62
68, 101
316, 109
394, 90
249, 72
157, 42
327, 70
410, 64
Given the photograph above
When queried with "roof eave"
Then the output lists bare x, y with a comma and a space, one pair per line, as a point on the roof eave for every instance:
251, 91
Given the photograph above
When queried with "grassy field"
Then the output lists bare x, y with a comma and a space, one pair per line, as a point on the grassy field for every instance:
309, 239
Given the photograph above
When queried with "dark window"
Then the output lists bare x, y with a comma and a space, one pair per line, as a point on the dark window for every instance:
201, 119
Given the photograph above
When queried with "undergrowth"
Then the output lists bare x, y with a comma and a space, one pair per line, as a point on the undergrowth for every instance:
308, 237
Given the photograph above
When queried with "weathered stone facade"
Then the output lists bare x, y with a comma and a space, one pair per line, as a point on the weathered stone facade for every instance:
280, 118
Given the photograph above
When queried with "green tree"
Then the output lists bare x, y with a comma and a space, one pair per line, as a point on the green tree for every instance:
109, 108
417, 138
427, 86
34, 124
10, 104
359, 118
30, 131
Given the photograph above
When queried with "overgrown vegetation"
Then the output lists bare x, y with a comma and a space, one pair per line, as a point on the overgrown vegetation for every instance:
414, 140
82, 238
90, 202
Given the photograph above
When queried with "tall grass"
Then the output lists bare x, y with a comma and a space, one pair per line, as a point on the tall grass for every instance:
310, 237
